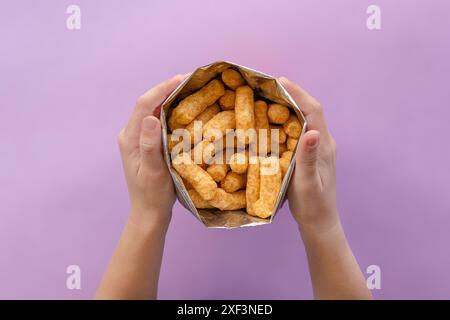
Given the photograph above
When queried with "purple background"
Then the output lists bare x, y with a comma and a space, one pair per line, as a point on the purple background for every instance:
64, 95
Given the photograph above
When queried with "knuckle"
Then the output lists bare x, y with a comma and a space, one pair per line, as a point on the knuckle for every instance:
179, 77
121, 139
309, 161
146, 147
141, 100
329, 152
317, 107
333, 144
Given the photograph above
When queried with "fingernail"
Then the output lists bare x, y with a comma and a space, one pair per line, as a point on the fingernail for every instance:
149, 123
312, 142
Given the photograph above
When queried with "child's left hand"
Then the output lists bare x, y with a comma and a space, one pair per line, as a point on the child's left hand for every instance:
149, 183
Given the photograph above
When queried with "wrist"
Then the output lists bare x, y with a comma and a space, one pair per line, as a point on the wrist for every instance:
321, 224
324, 235
149, 219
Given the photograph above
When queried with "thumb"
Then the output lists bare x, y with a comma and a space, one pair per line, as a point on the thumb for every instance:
308, 155
150, 143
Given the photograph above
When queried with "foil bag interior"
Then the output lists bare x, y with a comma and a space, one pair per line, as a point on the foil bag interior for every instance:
264, 86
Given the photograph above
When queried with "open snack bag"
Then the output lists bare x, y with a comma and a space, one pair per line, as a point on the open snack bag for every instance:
229, 136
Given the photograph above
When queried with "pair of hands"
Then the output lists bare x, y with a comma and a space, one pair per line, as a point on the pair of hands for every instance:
312, 192
334, 271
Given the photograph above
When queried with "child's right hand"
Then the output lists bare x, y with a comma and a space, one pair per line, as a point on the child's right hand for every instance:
312, 193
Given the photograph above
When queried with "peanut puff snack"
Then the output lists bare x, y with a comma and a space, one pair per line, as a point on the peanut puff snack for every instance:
230, 135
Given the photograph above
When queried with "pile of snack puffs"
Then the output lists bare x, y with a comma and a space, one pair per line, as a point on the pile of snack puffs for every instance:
225, 170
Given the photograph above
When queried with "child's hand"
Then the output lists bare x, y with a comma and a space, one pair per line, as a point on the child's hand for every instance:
149, 183
312, 200
312, 193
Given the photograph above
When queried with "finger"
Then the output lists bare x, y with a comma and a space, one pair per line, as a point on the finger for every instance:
307, 157
309, 106
150, 144
148, 104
